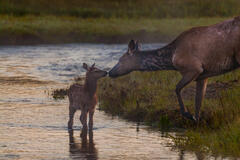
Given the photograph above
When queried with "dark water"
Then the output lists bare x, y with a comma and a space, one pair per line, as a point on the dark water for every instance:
34, 126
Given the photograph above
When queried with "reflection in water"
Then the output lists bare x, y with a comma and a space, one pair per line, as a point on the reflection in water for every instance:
84, 150
181, 155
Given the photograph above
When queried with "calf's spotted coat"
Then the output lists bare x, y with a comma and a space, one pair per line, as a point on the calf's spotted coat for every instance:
83, 97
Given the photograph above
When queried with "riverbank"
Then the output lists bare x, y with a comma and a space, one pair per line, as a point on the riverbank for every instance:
150, 98
32, 30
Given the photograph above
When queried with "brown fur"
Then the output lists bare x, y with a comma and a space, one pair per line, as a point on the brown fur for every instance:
83, 97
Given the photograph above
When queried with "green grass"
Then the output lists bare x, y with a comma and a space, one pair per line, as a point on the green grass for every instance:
65, 29
108, 21
222, 142
150, 98
122, 8
153, 94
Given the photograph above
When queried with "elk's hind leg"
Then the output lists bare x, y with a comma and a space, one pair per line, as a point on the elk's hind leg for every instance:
200, 93
71, 116
83, 118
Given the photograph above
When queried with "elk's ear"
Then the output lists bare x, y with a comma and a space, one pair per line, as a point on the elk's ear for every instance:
131, 46
85, 66
93, 65
138, 46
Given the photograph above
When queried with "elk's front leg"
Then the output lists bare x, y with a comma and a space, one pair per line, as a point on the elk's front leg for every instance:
200, 93
91, 113
71, 116
83, 118
187, 78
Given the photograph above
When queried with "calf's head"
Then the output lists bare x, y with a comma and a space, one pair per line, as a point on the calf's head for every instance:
130, 61
93, 72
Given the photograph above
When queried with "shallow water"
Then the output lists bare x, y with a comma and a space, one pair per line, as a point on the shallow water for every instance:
34, 126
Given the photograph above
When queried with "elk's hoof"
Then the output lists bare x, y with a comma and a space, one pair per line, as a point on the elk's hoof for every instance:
189, 116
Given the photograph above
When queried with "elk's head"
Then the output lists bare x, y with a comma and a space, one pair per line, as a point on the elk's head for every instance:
130, 61
93, 72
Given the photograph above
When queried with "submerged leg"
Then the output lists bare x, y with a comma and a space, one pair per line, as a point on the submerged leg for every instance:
200, 93
187, 78
71, 115
84, 134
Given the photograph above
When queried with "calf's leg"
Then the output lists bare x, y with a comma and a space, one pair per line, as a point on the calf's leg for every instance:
83, 118
91, 113
71, 116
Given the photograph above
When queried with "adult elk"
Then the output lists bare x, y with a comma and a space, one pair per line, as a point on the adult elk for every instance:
197, 54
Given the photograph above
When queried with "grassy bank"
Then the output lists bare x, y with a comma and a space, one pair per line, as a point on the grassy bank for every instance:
150, 97
65, 29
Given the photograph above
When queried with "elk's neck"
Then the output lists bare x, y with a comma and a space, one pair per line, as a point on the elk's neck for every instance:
90, 86
159, 59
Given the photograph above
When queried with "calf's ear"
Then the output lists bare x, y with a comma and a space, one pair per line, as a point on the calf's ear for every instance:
138, 46
85, 66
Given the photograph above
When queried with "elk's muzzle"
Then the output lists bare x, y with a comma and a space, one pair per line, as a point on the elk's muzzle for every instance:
113, 71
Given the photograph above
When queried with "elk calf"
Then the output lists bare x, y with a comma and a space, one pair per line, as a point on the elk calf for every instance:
83, 97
